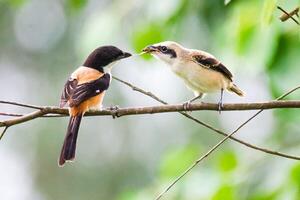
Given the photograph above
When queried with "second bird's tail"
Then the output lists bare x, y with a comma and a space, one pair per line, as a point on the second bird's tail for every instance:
69, 147
234, 88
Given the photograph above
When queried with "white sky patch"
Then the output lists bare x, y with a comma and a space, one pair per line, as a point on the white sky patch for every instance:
16, 180
40, 24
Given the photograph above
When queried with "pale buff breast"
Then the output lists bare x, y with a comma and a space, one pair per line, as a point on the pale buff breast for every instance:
85, 74
200, 79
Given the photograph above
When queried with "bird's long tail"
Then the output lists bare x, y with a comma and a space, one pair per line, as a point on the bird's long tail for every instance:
234, 88
69, 147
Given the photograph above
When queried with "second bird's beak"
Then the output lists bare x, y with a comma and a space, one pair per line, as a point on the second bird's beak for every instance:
150, 49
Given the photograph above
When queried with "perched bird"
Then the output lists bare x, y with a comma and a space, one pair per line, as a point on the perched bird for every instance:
200, 71
85, 89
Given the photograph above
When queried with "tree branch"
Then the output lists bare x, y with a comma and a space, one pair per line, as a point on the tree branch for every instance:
58, 112
11, 114
119, 112
21, 104
217, 145
3, 132
265, 150
216, 130
285, 16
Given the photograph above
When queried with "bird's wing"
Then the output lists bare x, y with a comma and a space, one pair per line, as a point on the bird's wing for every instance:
90, 89
68, 91
211, 63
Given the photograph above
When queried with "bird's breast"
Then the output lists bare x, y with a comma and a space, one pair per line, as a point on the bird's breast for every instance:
199, 78
84, 75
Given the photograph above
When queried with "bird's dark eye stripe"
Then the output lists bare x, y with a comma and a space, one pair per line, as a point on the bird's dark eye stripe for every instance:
163, 48
166, 50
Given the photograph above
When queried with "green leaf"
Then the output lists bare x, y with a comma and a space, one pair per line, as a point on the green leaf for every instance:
268, 10
227, 161
176, 161
146, 35
225, 192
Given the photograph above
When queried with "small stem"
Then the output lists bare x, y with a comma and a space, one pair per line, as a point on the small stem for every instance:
3, 132
21, 105
288, 15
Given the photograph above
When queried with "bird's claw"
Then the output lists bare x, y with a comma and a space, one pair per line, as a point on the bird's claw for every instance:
220, 107
187, 105
114, 110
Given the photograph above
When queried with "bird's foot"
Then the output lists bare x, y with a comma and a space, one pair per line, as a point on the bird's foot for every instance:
187, 106
114, 111
220, 107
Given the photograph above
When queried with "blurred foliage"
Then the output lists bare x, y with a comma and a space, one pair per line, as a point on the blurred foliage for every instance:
14, 3
225, 192
146, 35
135, 159
268, 10
76, 4
227, 161
177, 160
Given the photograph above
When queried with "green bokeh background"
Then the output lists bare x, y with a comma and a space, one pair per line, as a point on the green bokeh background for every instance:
136, 157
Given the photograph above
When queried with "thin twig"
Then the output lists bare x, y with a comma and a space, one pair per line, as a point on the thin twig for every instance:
52, 111
21, 104
265, 150
203, 157
3, 132
11, 114
290, 15
58, 112
217, 145
285, 17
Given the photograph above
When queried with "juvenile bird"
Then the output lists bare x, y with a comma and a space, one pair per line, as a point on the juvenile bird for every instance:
85, 89
200, 71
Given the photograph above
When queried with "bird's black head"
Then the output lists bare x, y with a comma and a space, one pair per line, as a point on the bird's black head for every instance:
103, 56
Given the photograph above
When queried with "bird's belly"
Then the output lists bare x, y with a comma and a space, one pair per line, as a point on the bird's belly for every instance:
93, 102
202, 80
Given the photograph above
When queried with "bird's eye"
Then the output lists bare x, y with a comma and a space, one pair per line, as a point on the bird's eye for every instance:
163, 48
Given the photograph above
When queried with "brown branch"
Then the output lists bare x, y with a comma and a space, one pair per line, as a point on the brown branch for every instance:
203, 157
217, 145
3, 132
21, 104
265, 150
11, 114
58, 112
20, 115
285, 16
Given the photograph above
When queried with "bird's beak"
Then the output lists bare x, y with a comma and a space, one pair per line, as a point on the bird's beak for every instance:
150, 49
125, 55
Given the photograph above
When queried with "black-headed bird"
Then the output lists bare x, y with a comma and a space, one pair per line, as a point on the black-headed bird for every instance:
85, 90
201, 72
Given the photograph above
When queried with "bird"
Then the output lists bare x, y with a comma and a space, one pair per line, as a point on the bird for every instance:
84, 90
201, 72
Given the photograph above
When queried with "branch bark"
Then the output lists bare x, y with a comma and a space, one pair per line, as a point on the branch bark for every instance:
285, 16
119, 112
265, 150
210, 151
